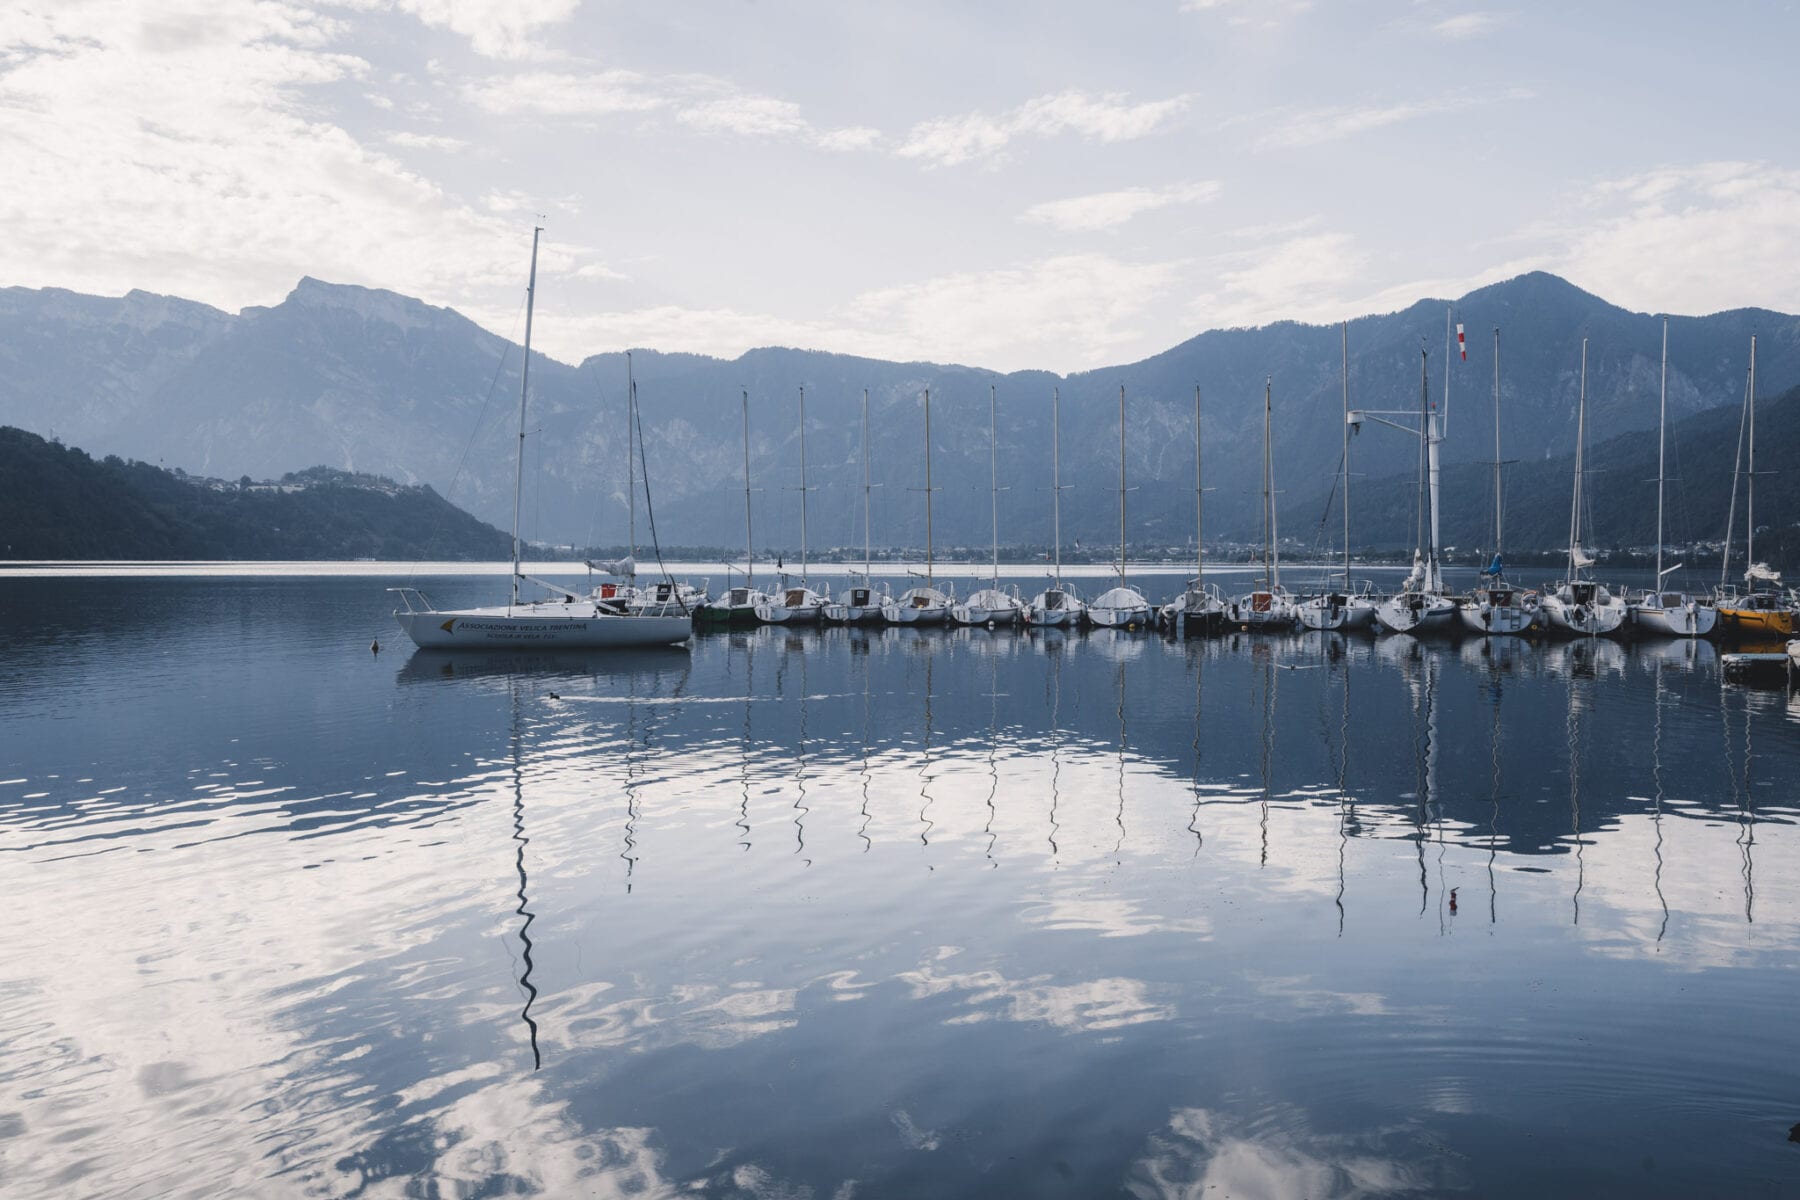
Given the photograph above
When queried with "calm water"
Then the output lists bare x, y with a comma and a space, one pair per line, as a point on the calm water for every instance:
887, 913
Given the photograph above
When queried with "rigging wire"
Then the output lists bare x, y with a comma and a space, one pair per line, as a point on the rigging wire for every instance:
480, 419
650, 511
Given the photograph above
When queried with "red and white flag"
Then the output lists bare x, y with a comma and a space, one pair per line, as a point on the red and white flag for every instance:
1460, 343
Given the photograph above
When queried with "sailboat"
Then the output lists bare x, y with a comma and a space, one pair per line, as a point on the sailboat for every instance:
629, 596
795, 605
1200, 609
860, 602
990, 605
1577, 605
1057, 606
1758, 611
921, 605
1343, 609
564, 619
1123, 607
1421, 604
1269, 606
737, 605
1495, 606
1671, 613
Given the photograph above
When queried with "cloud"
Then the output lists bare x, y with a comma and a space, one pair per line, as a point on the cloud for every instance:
219, 180
1254, 14
1465, 26
767, 117
699, 102
565, 94
1104, 210
424, 141
495, 28
1060, 313
1108, 117
1688, 238
1314, 125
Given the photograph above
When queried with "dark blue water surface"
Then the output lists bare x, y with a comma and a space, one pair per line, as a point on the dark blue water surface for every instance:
839, 913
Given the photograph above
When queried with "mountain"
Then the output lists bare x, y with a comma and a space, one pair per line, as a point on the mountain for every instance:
1703, 452
370, 381
62, 504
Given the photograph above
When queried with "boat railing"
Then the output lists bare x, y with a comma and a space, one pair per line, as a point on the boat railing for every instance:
414, 599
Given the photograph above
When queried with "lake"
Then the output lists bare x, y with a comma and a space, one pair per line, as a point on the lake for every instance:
904, 912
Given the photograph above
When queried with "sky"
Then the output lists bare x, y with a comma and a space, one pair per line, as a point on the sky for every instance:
1006, 185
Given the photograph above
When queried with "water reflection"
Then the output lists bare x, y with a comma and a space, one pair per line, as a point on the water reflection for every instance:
1058, 915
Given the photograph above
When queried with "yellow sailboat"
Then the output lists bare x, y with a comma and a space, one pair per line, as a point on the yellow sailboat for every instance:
1759, 612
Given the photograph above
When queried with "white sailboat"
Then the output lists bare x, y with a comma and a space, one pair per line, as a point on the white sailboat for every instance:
1123, 607
1346, 608
927, 605
1268, 607
861, 601
737, 605
1495, 606
1578, 605
795, 604
629, 596
1669, 613
1421, 604
563, 620
1200, 609
990, 605
1057, 606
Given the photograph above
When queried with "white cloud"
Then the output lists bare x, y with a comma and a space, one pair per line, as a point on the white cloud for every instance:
1104, 210
1062, 313
495, 28
1465, 26
1108, 117
565, 94
424, 141
699, 102
767, 117
1699, 237
217, 181
1312, 126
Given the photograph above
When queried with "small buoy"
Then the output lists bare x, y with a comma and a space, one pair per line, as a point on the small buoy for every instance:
1452, 901
375, 647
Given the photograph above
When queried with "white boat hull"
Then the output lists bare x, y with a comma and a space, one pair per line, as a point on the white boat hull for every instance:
781, 614
1415, 612
1119, 618
1478, 616
852, 614
966, 614
1584, 620
1691, 620
907, 614
1336, 611
571, 626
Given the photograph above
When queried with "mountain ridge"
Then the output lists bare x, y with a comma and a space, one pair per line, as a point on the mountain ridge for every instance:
367, 379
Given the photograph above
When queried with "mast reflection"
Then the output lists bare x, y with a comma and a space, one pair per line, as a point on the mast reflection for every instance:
523, 910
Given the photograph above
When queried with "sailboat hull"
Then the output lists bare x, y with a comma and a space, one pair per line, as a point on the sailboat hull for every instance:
1336, 611
1482, 615
567, 626
1690, 620
1414, 612
1755, 623
1591, 619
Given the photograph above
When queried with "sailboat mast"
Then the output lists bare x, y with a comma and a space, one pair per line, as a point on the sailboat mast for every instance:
866, 555
1434, 437
1662, 421
1445, 409
1268, 546
1498, 505
1199, 500
802, 487
994, 480
1580, 438
631, 457
749, 537
1056, 476
524, 390
928, 554
1345, 350
1274, 512
1121, 485
1750, 477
